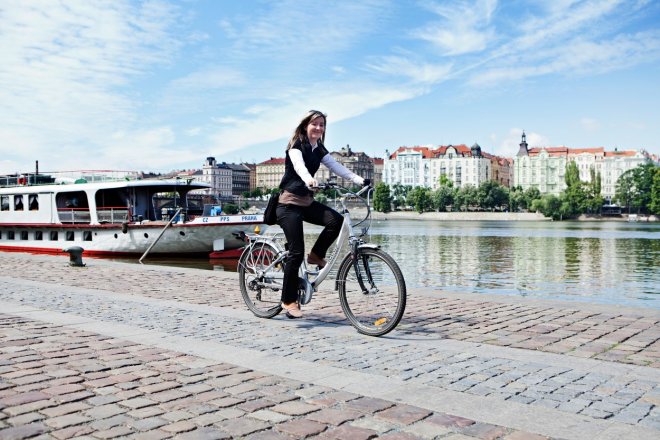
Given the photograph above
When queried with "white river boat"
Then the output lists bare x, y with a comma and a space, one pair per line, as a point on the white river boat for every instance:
106, 213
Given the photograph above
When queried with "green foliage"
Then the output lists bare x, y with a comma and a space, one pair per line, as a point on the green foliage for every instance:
466, 197
549, 205
321, 197
444, 181
491, 195
654, 207
230, 209
382, 198
635, 187
399, 194
443, 197
420, 198
517, 200
531, 194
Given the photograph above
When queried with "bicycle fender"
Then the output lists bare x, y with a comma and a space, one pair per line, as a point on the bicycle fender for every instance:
369, 246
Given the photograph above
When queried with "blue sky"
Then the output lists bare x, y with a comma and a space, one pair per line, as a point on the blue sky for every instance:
161, 85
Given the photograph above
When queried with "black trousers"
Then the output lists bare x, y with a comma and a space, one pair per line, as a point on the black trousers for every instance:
290, 218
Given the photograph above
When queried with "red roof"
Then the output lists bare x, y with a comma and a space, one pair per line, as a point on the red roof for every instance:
426, 152
462, 149
274, 161
620, 153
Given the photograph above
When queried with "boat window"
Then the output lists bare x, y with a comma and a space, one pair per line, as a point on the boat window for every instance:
10, 235
18, 202
69, 236
24, 235
4, 203
38, 235
72, 207
33, 202
87, 235
53, 236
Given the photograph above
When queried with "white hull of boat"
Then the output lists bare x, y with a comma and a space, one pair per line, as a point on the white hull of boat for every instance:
196, 237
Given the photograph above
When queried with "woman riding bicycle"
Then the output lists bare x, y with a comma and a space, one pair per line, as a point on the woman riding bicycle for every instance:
305, 153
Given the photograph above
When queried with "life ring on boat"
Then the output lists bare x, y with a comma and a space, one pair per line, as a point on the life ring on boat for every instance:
22, 181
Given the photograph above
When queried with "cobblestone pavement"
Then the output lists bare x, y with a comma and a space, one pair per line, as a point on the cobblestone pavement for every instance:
115, 349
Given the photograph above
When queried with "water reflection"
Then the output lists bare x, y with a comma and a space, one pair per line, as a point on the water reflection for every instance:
600, 262
604, 262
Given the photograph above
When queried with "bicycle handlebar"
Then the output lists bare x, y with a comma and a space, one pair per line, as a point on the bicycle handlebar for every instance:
348, 193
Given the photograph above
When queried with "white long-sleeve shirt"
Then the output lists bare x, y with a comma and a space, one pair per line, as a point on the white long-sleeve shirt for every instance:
299, 165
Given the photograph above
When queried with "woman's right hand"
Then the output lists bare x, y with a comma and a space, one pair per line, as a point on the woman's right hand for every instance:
312, 183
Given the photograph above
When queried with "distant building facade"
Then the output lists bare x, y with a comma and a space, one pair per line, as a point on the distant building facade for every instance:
269, 173
357, 162
424, 166
545, 167
219, 176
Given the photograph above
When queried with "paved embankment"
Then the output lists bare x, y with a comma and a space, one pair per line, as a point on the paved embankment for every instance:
115, 349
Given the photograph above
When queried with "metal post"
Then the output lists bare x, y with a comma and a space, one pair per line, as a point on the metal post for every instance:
160, 235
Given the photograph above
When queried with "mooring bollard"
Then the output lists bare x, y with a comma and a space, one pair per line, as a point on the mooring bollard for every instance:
75, 256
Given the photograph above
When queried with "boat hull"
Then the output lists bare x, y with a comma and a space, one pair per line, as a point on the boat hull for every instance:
193, 238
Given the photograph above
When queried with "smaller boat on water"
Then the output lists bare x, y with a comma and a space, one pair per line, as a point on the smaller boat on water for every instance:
114, 213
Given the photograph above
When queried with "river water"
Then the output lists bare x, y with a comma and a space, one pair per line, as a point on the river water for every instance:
599, 262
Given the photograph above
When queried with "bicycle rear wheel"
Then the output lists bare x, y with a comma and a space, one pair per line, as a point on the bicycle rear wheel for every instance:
372, 291
263, 301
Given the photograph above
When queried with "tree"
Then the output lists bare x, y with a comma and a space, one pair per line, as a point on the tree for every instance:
517, 199
230, 209
419, 198
399, 194
443, 197
382, 199
625, 187
549, 205
574, 197
531, 194
491, 195
654, 207
466, 197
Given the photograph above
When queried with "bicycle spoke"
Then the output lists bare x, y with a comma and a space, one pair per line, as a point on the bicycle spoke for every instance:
372, 292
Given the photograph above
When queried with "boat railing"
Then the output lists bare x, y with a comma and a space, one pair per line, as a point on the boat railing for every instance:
74, 215
112, 214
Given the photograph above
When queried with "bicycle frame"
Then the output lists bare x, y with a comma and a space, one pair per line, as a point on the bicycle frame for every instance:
312, 279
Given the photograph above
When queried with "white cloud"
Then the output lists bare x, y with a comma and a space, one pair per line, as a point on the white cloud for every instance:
463, 28
423, 73
510, 143
339, 102
64, 66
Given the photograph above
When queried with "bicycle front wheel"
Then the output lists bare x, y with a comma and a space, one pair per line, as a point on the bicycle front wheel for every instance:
263, 301
372, 291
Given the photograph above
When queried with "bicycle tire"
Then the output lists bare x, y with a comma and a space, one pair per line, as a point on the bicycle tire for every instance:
378, 311
264, 302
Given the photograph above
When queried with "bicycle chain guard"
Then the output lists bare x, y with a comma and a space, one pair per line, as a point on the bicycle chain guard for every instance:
305, 291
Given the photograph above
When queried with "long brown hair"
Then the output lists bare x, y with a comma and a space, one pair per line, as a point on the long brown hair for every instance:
300, 133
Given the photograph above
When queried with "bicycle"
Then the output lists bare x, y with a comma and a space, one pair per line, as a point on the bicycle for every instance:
370, 284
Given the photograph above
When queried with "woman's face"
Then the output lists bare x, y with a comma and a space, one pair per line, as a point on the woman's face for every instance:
315, 129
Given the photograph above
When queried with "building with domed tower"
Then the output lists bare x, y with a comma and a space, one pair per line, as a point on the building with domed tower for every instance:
544, 168
460, 164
